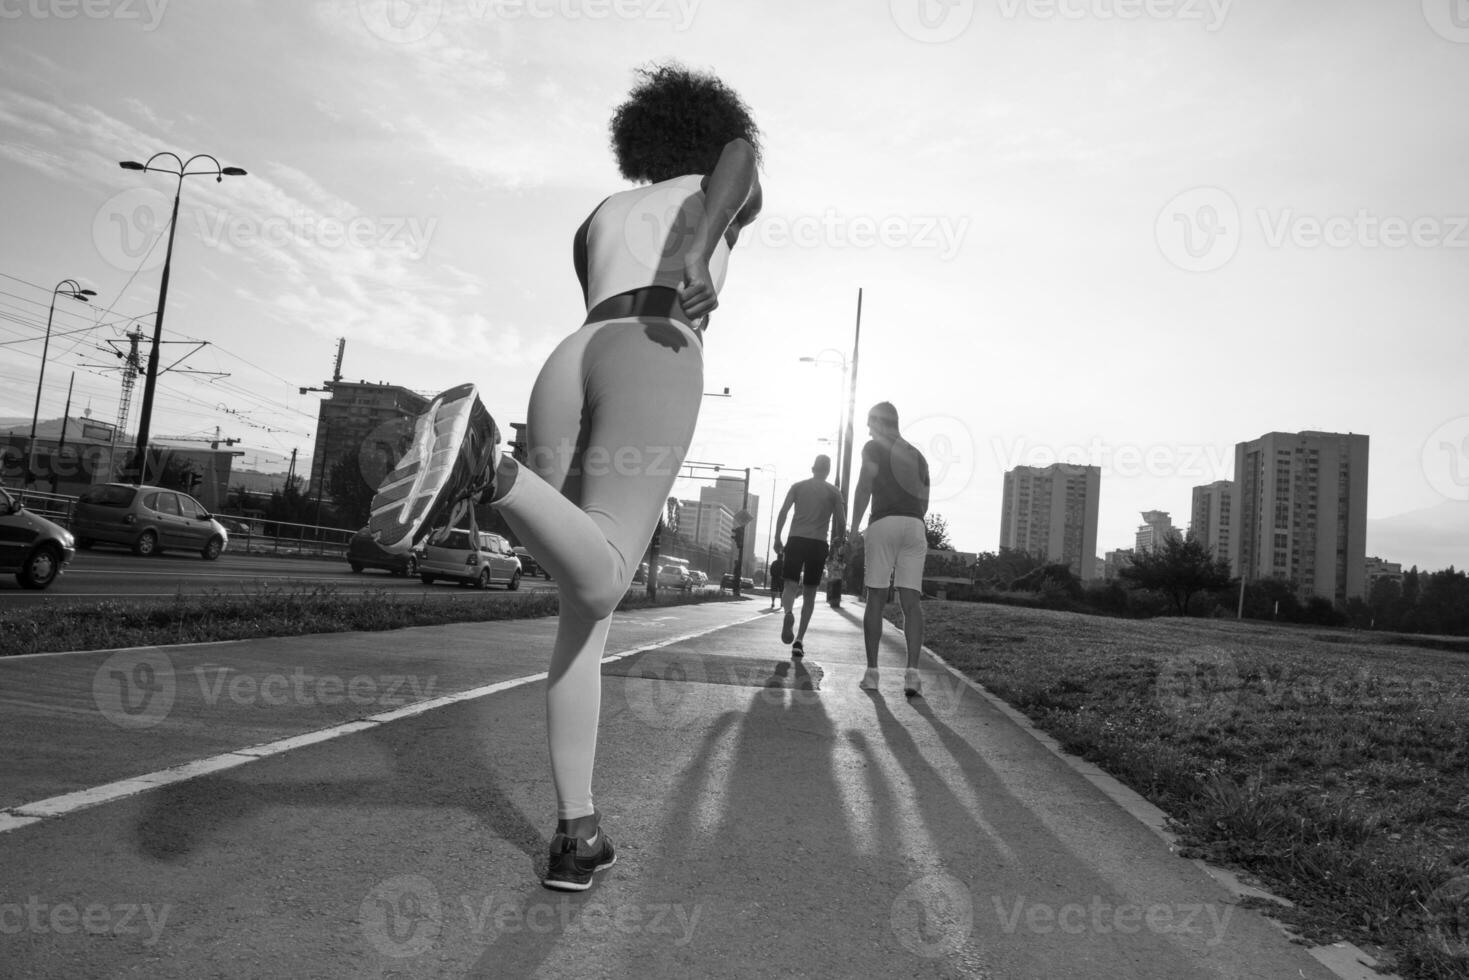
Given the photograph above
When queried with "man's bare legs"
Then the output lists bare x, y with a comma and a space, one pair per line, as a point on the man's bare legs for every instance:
911, 601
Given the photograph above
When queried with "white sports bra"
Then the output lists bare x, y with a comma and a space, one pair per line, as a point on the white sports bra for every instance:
637, 238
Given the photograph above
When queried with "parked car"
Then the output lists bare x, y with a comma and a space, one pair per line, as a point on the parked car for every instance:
33, 548
726, 583
363, 552
529, 565
449, 554
698, 581
147, 519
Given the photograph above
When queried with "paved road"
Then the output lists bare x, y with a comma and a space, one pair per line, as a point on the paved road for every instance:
114, 573
772, 820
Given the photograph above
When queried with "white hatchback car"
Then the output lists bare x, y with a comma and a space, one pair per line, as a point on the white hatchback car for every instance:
448, 554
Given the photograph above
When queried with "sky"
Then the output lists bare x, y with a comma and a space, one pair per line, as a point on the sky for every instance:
1131, 233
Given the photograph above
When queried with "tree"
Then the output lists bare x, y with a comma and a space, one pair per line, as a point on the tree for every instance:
1179, 569
936, 529
1000, 569
349, 492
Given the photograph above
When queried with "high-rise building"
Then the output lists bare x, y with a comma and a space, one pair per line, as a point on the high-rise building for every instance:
1301, 508
1211, 517
1113, 562
706, 523
1376, 568
1157, 527
1051, 512
731, 492
364, 422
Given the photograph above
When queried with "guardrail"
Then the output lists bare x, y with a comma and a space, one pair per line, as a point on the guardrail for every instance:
260, 536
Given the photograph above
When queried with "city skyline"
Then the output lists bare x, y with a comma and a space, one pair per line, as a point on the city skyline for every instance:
1129, 243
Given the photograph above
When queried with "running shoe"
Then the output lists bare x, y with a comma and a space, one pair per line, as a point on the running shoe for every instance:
451, 458
912, 683
788, 628
798, 649
869, 680
574, 861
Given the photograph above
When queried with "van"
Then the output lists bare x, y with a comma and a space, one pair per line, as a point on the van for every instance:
489, 561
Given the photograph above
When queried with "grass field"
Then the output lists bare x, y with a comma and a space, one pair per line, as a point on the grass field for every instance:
269, 612
1332, 769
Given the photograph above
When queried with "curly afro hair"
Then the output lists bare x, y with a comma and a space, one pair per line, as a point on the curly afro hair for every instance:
675, 122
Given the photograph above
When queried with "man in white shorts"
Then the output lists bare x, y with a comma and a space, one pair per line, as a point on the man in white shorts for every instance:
894, 478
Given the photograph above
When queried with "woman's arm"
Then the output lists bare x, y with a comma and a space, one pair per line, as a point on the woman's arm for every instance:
728, 193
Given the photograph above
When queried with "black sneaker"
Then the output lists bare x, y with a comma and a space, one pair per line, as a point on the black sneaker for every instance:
798, 649
574, 861
788, 628
452, 457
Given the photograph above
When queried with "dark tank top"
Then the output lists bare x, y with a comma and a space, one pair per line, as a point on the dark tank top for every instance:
900, 487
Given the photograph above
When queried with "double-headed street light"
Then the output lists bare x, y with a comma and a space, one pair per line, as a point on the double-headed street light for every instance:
66, 287
219, 174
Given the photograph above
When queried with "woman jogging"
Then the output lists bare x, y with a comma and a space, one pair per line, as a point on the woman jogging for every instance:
611, 413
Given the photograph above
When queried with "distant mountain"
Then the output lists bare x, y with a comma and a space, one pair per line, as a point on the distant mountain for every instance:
1432, 538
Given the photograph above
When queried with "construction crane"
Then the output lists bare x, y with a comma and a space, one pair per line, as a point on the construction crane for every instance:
336, 369
213, 442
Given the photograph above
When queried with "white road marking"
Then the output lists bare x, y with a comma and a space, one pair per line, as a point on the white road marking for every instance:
23, 815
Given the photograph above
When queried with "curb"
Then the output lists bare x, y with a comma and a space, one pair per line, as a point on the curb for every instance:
1346, 960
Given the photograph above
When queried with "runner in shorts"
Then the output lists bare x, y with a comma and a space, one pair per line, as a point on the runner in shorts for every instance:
819, 510
894, 478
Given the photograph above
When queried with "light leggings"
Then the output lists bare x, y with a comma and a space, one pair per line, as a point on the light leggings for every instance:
608, 427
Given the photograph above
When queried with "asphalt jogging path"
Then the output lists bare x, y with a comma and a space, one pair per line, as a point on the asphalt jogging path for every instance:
770, 818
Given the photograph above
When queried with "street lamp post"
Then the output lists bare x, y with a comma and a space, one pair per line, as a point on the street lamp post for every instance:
841, 420
66, 287
769, 525
219, 173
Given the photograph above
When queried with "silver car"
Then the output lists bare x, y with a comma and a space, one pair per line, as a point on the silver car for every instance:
448, 554
147, 519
